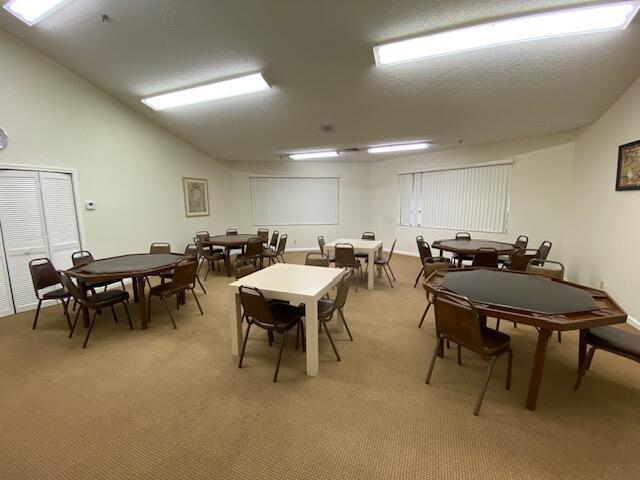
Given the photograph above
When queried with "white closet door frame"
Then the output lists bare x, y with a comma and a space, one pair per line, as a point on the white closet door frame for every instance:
6, 303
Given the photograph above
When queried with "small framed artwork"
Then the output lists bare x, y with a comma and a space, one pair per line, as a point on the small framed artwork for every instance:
628, 176
196, 196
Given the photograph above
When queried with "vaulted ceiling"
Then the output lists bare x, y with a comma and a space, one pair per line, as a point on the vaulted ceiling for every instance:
317, 55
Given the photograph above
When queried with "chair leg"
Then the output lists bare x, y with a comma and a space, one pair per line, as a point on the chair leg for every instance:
497, 324
559, 336
509, 368
126, 309
197, 301
592, 351
149, 309
433, 360
65, 306
164, 300
207, 272
459, 355
115, 317
424, 315
384, 267
333, 345
484, 386
585, 366
244, 345
270, 337
344, 322
200, 283
122, 283
418, 277
93, 321
35, 320
275, 375
75, 322
392, 275
75, 303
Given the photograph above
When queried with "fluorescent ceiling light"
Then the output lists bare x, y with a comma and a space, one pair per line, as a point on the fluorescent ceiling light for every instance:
311, 155
213, 91
589, 19
398, 147
32, 11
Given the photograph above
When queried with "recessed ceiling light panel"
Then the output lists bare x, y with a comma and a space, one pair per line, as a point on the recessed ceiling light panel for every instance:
404, 147
312, 155
205, 93
32, 11
587, 19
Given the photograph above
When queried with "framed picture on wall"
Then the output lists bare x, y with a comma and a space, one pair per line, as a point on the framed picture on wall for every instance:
628, 176
196, 196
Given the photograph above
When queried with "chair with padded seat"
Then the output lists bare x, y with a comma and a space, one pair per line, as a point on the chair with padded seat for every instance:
520, 260
316, 259
96, 302
277, 255
84, 256
158, 247
273, 243
204, 237
253, 251
485, 257
384, 262
610, 339
190, 253
424, 251
322, 244
366, 236
44, 275
242, 268
461, 258
544, 249
263, 233
520, 244
211, 259
277, 318
346, 258
457, 320
184, 279
428, 269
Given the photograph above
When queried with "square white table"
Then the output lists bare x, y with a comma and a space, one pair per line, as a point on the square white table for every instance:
373, 248
294, 283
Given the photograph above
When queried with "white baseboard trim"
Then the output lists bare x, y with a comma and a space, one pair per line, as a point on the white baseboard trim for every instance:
633, 322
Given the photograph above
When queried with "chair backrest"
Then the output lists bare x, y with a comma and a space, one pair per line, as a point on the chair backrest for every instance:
485, 257
75, 291
393, 246
430, 267
43, 274
544, 249
254, 247
202, 236
419, 239
368, 236
345, 255
81, 257
282, 244
160, 247
191, 251
255, 307
263, 233
321, 243
519, 261
458, 320
342, 292
184, 274
537, 265
274, 239
521, 243
425, 251
243, 269
232, 231
316, 259
463, 236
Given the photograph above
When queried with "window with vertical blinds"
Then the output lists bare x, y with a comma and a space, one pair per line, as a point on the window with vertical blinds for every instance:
294, 200
472, 198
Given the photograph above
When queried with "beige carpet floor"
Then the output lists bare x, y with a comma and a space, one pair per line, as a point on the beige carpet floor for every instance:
166, 403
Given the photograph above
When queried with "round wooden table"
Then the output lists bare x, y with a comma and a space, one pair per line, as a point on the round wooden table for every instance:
228, 242
135, 266
462, 247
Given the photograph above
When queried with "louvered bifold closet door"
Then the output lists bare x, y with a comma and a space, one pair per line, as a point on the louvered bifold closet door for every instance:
60, 217
23, 231
6, 301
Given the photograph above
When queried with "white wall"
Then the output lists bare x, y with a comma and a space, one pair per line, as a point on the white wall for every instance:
605, 232
129, 166
540, 191
354, 212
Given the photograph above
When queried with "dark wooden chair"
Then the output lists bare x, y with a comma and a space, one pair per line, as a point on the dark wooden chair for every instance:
544, 249
322, 244
520, 260
211, 259
184, 279
428, 269
384, 262
317, 259
273, 243
485, 257
457, 319
158, 247
253, 251
204, 237
610, 339
277, 255
521, 246
461, 258
366, 236
242, 268
263, 233
277, 318
84, 256
96, 302
44, 275
346, 258
190, 253
424, 250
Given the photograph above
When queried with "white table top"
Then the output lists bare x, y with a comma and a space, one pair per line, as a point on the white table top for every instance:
286, 278
358, 243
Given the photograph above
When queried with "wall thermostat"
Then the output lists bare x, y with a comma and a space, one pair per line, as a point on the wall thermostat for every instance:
90, 205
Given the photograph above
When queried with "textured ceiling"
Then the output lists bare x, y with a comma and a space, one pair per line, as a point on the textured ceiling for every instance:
318, 57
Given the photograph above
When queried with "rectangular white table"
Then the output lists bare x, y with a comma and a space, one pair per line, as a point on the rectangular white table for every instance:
373, 248
294, 283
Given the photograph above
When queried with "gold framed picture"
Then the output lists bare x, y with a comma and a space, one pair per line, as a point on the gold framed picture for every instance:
628, 175
196, 196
